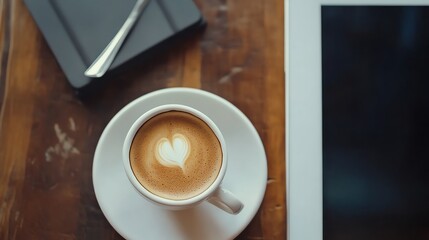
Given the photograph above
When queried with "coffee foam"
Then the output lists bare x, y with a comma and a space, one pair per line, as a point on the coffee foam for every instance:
175, 155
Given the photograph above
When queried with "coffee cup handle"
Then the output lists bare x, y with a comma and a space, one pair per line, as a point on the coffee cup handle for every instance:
226, 201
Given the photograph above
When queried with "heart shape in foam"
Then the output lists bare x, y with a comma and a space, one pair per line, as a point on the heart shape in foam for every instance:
175, 153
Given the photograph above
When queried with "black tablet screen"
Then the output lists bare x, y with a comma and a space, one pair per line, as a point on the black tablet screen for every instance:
375, 78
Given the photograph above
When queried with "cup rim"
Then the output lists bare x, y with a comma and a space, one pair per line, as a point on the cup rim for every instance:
133, 179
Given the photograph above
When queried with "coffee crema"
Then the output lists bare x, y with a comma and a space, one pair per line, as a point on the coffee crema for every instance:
175, 155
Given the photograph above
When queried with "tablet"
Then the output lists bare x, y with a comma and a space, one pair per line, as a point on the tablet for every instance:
357, 119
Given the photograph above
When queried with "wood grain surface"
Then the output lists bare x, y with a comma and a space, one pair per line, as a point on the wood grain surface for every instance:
48, 136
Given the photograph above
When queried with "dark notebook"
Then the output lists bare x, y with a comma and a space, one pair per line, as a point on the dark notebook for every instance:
78, 30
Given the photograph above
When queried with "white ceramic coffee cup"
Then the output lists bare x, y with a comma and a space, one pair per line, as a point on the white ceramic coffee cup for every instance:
215, 193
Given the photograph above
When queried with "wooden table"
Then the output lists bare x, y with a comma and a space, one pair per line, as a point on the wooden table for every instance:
48, 136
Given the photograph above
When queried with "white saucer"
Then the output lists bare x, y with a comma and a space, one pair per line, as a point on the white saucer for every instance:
135, 218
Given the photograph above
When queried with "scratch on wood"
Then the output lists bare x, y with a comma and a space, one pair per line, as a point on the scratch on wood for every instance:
89, 130
223, 8
93, 209
60, 135
53, 186
227, 78
271, 180
64, 147
16, 215
277, 207
48, 153
72, 124
6, 209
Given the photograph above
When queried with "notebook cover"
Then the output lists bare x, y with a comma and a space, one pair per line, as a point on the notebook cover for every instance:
77, 31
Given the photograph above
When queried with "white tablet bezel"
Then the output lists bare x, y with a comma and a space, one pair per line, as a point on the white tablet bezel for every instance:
304, 113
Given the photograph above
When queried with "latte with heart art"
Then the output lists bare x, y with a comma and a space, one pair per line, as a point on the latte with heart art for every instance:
175, 155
